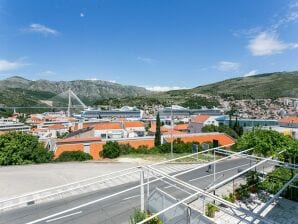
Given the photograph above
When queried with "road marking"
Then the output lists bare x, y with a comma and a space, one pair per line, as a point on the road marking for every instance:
166, 187
65, 216
135, 196
217, 172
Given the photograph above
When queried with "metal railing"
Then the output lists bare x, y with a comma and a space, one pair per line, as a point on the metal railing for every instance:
74, 188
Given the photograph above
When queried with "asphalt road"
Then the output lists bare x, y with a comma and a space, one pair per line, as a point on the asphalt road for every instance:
116, 209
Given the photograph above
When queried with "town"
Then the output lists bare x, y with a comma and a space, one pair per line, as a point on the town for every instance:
89, 130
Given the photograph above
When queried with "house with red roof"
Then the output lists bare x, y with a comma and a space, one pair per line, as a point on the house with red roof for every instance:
182, 128
134, 128
199, 121
57, 129
111, 130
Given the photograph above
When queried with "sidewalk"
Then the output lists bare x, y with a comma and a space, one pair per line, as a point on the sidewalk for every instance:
18, 180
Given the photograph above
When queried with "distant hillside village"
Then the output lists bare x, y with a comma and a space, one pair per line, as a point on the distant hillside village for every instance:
92, 129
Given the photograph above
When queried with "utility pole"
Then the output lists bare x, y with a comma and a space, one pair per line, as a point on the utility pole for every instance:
69, 102
172, 130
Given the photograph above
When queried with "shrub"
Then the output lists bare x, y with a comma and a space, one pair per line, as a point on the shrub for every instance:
139, 216
125, 149
242, 192
18, 148
179, 147
211, 209
74, 156
232, 197
111, 150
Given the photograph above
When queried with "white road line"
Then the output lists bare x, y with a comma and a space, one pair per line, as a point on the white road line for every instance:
135, 196
65, 216
218, 172
166, 187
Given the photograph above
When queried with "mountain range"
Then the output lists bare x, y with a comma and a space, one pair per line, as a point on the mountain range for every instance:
18, 91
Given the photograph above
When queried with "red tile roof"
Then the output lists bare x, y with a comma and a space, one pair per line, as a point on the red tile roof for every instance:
200, 118
162, 128
56, 126
289, 120
175, 132
133, 124
181, 127
107, 126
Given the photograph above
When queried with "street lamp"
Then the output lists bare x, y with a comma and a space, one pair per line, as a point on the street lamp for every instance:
172, 130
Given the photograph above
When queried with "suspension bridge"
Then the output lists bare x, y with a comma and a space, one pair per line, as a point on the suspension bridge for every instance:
65, 100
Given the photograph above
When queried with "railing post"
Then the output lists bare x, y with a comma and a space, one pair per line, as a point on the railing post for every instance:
148, 188
142, 189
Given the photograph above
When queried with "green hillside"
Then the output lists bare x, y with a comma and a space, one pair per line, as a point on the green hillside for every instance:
270, 85
17, 91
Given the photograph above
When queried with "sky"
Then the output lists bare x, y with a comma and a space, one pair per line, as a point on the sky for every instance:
157, 44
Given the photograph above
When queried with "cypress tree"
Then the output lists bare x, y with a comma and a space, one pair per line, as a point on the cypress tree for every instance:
157, 139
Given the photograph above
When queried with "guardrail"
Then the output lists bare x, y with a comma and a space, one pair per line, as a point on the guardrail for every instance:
74, 188
83, 186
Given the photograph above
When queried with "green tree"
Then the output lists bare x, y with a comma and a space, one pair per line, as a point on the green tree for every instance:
157, 140
111, 150
264, 142
18, 148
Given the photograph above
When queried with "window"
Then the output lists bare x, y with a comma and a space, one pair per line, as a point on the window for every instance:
87, 148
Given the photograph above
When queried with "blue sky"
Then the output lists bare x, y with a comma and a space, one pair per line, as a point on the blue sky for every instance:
159, 44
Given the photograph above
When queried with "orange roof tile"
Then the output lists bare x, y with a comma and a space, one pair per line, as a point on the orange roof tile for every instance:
162, 128
175, 132
181, 127
56, 126
289, 120
107, 126
133, 124
200, 118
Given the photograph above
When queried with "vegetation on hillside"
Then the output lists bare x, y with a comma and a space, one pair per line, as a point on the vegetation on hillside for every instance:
17, 91
271, 86
264, 86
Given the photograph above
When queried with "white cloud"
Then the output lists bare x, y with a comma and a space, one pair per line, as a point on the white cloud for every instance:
147, 60
227, 66
82, 14
42, 29
292, 17
268, 43
10, 65
293, 5
164, 88
251, 73
96, 79
46, 73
